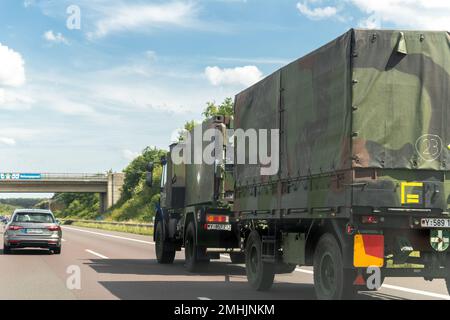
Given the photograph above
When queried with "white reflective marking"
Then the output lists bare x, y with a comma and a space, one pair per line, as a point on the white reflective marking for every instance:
97, 254
203, 298
403, 289
420, 292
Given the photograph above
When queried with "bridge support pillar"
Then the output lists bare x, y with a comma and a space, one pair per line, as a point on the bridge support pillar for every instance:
114, 190
103, 201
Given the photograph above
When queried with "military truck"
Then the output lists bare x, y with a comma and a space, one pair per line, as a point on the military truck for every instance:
364, 153
196, 200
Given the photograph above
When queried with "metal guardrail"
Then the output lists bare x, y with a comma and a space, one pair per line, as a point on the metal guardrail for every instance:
127, 224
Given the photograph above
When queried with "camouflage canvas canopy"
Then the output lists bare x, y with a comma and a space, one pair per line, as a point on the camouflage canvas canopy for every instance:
369, 99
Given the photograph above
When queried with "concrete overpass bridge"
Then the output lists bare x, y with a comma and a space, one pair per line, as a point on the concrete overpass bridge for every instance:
108, 185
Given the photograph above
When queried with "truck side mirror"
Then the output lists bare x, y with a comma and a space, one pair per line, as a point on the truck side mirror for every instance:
149, 178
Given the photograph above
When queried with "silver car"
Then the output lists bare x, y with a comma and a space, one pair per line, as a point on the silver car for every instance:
32, 228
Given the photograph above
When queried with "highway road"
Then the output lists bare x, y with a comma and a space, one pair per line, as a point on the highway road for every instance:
116, 265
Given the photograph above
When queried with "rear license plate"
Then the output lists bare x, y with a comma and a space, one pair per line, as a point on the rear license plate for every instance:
435, 223
220, 227
34, 231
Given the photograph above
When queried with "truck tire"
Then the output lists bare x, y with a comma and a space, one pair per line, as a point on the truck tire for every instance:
447, 281
260, 274
331, 280
57, 250
195, 257
165, 252
237, 257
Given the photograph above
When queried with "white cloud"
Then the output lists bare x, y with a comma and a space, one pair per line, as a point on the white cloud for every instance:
8, 141
10, 99
28, 3
318, 13
11, 135
241, 76
408, 14
136, 17
419, 14
372, 22
12, 67
130, 155
50, 36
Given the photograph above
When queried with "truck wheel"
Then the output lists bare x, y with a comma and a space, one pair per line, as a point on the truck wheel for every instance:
237, 257
260, 274
331, 280
165, 252
195, 257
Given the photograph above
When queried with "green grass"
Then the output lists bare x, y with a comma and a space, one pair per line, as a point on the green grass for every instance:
6, 209
146, 231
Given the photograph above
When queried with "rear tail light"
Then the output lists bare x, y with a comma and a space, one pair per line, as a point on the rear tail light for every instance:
350, 229
14, 228
217, 218
54, 228
369, 219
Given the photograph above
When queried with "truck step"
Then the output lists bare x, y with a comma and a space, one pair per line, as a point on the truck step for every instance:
269, 248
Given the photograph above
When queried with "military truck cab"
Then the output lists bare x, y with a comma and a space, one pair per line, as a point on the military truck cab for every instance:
195, 210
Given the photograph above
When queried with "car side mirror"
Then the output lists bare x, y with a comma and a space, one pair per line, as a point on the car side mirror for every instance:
58, 222
149, 177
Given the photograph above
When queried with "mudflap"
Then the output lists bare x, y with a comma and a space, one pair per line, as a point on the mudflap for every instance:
345, 241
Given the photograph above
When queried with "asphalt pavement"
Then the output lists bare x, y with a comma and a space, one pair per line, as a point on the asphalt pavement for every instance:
98, 264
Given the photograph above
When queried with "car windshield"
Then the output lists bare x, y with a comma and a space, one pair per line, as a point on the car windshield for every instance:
34, 217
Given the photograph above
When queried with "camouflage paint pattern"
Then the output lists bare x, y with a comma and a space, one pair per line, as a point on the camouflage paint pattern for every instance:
357, 118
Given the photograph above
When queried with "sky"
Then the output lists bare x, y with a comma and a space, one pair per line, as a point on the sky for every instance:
86, 85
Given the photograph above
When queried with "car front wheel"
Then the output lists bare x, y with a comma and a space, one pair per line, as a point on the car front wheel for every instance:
57, 250
6, 249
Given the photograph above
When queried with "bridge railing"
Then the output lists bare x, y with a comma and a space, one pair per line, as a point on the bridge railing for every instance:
102, 177
74, 176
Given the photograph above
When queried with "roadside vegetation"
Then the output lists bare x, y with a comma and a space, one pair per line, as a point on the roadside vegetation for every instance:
7, 206
146, 231
6, 209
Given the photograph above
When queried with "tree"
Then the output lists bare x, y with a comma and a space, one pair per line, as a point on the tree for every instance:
223, 109
135, 171
212, 109
188, 126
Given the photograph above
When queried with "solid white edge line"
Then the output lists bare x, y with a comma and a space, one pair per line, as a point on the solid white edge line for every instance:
109, 235
415, 291
387, 286
96, 254
304, 271
398, 288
